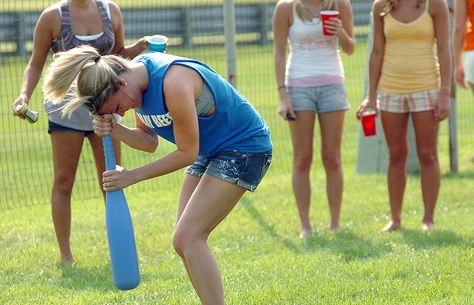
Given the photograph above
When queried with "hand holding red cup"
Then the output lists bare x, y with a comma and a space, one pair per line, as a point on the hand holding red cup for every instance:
368, 122
326, 16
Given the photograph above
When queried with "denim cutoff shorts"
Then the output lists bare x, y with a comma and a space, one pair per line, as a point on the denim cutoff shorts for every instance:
325, 98
243, 169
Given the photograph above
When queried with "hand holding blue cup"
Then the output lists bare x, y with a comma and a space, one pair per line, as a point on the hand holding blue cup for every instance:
157, 43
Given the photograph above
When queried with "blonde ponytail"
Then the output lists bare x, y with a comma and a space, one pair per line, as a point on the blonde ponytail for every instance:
85, 75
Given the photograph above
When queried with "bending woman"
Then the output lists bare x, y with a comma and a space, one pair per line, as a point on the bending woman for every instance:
218, 134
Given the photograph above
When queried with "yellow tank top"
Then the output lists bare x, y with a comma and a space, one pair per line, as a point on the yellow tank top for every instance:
410, 63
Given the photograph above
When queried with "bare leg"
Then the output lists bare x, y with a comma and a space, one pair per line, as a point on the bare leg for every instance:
426, 130
187, 188
302, 138
395, 127
66, 152
331, 125
211, 202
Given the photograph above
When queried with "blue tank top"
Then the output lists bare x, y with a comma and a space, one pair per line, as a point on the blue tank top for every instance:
235, 124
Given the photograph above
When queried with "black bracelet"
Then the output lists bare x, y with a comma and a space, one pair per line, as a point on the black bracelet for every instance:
281, 87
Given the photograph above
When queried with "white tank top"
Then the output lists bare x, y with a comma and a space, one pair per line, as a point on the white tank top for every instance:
314, 58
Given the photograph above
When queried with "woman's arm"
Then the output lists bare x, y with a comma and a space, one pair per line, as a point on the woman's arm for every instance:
140, 137
460, 19
281, 23
346, 36
129, 51
43, 36
375, 60
439, 11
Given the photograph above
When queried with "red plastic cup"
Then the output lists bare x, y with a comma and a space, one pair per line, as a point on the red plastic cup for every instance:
368, 123
325, 16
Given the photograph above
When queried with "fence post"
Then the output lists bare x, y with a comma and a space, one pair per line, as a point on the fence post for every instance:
187, 27
20, 41
230, 47
452, 120
265, 22
453, 133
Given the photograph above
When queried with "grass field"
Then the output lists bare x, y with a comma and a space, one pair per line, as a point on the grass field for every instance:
261, 258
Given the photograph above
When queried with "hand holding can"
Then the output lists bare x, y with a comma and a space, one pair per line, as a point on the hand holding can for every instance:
30, 115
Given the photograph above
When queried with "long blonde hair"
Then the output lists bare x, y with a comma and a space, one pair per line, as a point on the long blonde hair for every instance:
389, 5
301, 8
91, 76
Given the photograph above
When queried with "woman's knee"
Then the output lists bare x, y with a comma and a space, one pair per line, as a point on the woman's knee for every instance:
331, 160
427, 156
63, 183
302, 162
184, 240
398, 155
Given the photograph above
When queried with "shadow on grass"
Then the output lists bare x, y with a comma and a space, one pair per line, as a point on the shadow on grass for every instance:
468, 174
267, 227
349, 245
436, 239
87, 278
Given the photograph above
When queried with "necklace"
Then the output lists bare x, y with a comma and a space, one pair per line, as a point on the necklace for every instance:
311, 12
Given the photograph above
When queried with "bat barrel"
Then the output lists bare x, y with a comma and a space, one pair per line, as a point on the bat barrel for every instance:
120, 233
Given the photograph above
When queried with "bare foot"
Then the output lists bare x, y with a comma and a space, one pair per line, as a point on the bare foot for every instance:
305, 233
427, 227
334, 228
391, 227
67, 261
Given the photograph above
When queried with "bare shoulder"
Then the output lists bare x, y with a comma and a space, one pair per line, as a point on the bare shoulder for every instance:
50, 13
344, 4
377, 7
284, 5
437, 6
114, 7
50, 18
179, 77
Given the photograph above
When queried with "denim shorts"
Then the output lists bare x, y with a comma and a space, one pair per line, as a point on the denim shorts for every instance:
243, 169
52, 127
409, 102
324, 98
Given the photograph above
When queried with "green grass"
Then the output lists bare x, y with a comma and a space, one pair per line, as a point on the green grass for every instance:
261, 258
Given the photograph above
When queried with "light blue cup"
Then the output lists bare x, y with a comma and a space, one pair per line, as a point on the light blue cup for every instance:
157, 43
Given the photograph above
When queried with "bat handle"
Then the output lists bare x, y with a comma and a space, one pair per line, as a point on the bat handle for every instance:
109, 153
